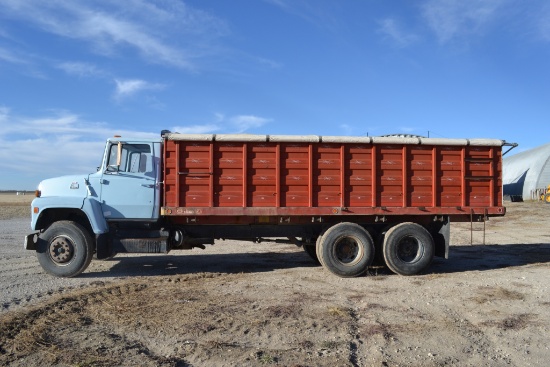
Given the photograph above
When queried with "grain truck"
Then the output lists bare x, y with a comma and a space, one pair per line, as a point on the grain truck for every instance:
346, 200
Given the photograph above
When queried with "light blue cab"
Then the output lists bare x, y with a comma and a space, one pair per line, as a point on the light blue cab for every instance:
125, 188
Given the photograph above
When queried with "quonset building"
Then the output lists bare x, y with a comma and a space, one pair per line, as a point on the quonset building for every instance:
526, 175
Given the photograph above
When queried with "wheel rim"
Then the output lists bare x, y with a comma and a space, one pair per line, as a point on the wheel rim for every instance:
409, 249
347, 251
61, 250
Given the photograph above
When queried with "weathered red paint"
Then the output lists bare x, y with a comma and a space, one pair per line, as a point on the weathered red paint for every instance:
215, 178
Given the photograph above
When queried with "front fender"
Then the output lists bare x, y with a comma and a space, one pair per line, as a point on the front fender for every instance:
41, 205
90, 207
93, 211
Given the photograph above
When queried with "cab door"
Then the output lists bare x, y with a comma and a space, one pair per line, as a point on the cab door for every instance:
129, 183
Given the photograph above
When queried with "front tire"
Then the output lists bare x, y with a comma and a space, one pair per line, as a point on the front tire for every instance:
408, 248
65, 249
346, 249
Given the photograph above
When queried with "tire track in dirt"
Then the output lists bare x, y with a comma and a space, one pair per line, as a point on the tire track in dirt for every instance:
479, 348
243, 305
353, 329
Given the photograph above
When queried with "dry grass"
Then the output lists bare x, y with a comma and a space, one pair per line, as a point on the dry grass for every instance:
15, 206
283, 311
515, 322
379, 329
338, 311
488, 294
133, 321
15, 200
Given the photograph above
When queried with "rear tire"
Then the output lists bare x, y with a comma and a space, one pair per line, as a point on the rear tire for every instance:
408, 248
65, 249
346, 249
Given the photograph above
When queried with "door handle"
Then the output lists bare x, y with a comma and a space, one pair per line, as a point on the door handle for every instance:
148, 185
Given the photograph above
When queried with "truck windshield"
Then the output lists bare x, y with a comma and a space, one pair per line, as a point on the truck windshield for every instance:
135, 158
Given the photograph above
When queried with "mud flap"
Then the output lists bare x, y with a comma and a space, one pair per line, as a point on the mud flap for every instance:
103, 249
441, 234
30, 241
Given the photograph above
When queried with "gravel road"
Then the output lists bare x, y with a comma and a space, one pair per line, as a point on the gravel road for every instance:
21, 278
243, 304
24, 282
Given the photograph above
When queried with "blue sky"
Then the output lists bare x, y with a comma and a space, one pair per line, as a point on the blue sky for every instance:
73, 73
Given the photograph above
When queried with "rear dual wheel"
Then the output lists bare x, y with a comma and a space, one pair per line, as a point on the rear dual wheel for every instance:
408, 248
346, 249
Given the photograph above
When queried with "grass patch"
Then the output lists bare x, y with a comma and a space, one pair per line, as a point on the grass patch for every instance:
488, 294
329, 344
338, 311
514, 323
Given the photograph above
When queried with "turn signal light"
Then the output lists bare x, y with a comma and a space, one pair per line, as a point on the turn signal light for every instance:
35, 210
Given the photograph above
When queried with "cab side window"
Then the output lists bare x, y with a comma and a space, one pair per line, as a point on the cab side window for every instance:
134, 158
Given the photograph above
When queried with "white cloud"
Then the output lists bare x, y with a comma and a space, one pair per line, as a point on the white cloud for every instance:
324, 15
245, 122
451, 19
196, 129
9, 56
62, 142
130, 87
57, 122
4, 114
81, 69
393, 31
166, 32
56, 144
346, 129
270, 63
407, 129
223, 124
543, 23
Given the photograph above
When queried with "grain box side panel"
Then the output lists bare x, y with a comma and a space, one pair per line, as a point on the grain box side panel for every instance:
333, 174
295, 176
483, 176
420, 176
359, 174
390, 175
193, 174
262, 175
451, 175
327, 175
229, 174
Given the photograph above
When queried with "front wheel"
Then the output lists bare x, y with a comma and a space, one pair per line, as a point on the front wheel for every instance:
65, 249
346, 249
408, 248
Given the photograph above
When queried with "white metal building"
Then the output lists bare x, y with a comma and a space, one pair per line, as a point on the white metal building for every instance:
527, 174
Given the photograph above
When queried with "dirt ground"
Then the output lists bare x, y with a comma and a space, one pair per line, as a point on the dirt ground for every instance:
243, 304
